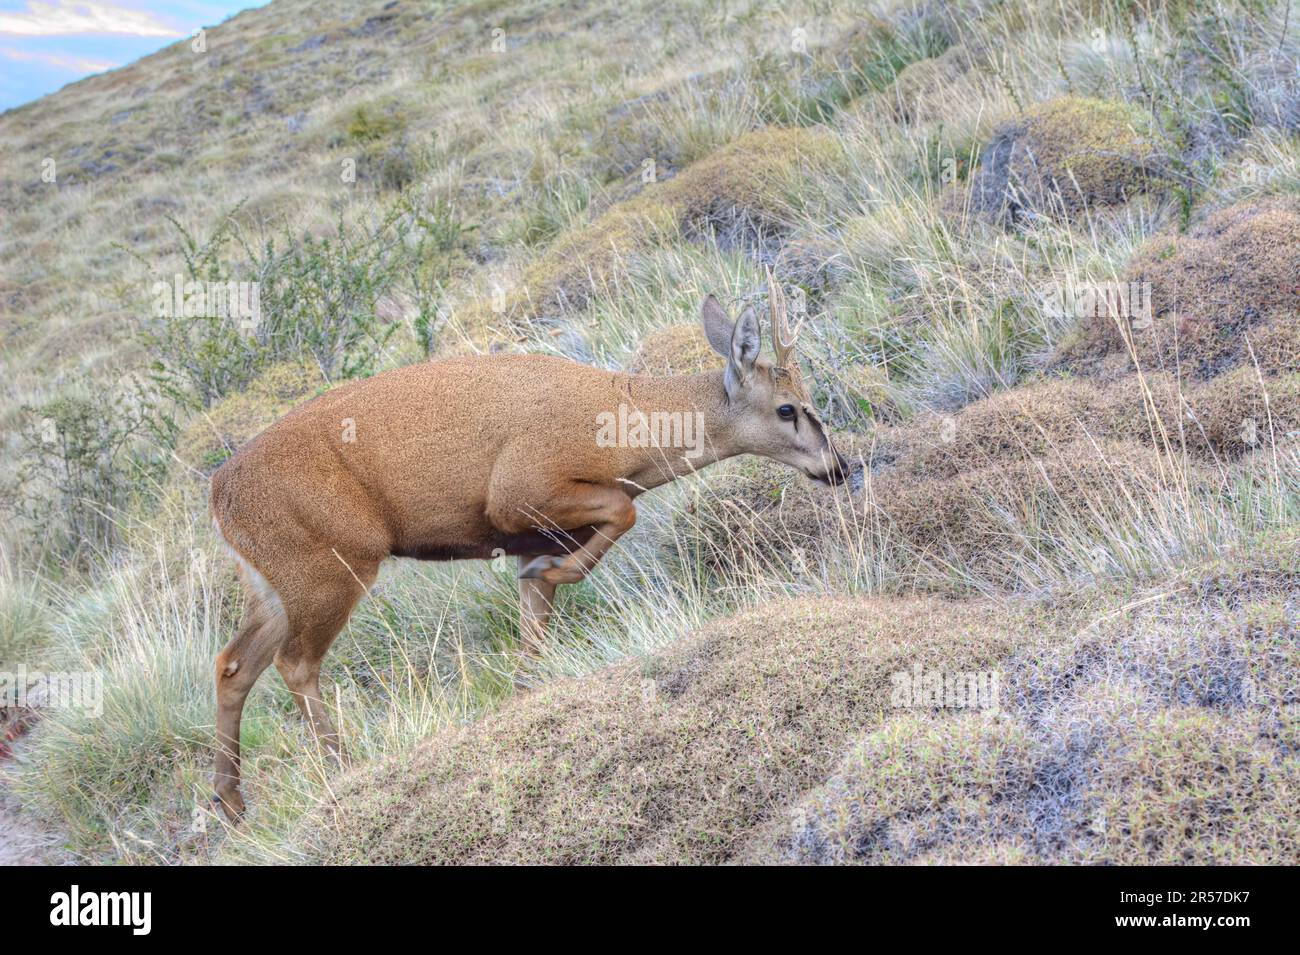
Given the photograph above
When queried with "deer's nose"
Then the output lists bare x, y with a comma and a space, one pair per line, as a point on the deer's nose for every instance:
837, 471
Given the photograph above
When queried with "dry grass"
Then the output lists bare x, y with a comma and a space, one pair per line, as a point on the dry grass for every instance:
996, 515
674, 350
677, 758
214, 434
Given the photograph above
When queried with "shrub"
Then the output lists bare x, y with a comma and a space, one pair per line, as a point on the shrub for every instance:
24, 616
321, 296
319, 301
368, 126
84, 460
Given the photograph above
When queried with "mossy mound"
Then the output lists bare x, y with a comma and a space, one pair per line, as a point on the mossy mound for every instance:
1016, 424
810, 731
213, 435
674, 350
1161, 737
1164, 787
740, 196
1062, 157
989, 518
988, 515
1225, 294
686, 757
1192, 787
1212, 421
918, 784
926, 90
1241, 412
746, 190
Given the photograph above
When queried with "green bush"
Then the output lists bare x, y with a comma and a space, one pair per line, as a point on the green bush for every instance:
84, 458
369, 127
318, 303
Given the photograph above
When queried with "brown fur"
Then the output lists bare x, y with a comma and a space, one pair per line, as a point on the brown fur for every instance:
465, 458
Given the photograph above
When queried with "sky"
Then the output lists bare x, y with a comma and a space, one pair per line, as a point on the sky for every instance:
45, 44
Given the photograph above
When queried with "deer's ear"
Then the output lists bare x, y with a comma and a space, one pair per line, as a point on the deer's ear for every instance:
717, 326
746, 340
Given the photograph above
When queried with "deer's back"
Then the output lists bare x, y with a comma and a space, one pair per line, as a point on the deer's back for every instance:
408, 458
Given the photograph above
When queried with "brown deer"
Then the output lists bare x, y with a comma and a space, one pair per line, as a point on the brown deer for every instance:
531, 455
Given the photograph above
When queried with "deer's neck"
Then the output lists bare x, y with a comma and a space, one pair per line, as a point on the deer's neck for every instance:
668, 427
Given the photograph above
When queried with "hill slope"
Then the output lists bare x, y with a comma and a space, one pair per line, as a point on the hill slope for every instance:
797, 733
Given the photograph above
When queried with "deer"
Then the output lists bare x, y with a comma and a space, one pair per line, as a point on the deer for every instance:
474, 458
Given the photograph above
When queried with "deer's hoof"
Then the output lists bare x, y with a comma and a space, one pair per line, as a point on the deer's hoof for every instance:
535, 569
553, 570
231, 805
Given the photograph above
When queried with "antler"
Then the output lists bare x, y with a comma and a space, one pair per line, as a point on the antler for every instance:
782, 338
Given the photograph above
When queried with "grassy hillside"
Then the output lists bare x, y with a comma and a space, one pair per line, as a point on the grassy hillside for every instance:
1096, 507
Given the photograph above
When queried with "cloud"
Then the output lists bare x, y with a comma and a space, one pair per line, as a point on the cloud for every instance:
74, 64
64, 17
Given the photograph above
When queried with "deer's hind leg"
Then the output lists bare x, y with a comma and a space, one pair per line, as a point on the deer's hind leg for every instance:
317, 613
238, 666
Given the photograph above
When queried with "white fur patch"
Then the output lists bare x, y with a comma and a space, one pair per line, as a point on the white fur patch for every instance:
258, 585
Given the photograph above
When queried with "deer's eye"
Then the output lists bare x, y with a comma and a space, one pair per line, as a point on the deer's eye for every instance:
786, 412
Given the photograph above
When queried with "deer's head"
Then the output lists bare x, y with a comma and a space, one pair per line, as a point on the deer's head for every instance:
771, 412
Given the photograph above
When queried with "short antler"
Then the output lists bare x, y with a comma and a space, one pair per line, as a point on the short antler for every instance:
783, 338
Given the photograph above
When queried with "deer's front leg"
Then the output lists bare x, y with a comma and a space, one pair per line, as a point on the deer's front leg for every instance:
536, 601
608, 510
